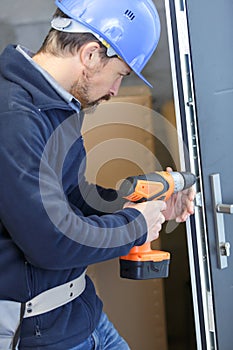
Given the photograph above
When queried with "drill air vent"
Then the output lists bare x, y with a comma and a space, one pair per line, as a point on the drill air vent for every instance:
129, 14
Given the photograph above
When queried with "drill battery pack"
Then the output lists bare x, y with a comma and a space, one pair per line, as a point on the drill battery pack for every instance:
150, 264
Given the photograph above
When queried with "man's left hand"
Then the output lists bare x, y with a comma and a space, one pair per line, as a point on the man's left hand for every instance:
180, 205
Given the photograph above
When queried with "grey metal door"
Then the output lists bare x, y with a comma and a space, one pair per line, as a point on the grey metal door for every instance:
201, 47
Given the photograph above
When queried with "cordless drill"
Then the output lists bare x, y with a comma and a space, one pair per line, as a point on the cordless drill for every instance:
142, 262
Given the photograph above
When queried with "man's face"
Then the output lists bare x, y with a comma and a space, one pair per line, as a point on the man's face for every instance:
98, 85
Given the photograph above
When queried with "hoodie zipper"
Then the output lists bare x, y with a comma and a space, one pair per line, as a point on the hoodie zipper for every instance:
29, 278
38, 332
31, 287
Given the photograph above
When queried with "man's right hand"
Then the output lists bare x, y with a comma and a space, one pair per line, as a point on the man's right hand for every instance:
152, 212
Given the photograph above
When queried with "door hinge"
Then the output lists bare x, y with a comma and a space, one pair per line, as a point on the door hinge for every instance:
198, 200
210, 311
183, 32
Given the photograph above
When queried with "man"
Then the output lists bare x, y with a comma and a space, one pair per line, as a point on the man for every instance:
50, 228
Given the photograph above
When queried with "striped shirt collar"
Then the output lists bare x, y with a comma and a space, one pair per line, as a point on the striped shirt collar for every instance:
70, 99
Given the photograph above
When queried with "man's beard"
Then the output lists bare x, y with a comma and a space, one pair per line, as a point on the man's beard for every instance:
80, 90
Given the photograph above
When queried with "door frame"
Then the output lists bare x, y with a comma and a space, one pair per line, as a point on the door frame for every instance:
186, 119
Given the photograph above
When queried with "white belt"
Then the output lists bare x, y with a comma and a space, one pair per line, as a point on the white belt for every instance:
55, 297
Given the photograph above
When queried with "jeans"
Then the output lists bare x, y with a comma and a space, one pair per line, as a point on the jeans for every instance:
104, 337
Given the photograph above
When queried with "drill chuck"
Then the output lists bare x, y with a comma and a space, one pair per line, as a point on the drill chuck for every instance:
182, 180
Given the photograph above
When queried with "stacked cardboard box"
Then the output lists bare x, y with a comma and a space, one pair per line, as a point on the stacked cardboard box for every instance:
120, 141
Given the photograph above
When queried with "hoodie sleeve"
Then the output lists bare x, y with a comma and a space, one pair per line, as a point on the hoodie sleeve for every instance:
51, 231
94, 199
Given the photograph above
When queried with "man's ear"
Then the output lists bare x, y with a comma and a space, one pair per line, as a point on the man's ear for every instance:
89, 55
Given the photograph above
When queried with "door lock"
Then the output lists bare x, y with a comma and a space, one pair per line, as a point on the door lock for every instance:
225, 249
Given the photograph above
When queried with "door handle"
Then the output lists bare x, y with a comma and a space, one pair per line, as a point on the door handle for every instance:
224, 208
223, 247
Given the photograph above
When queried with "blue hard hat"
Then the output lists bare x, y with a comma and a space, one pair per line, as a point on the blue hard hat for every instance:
130, 27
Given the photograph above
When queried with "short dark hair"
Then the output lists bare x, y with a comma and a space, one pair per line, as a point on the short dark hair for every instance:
60, 43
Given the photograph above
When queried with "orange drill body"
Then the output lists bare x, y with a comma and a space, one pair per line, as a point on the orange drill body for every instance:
158, 185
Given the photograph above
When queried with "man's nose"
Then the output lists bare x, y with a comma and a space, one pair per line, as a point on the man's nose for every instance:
115, 87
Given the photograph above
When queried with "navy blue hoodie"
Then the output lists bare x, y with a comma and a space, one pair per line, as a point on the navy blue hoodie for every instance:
53, 224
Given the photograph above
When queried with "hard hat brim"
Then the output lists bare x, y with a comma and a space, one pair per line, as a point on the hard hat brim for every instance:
144, 79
